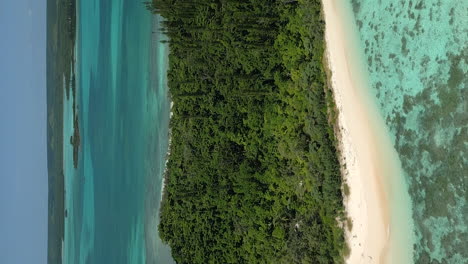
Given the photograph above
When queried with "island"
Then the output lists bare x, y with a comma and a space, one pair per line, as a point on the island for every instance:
253, 174
61, 29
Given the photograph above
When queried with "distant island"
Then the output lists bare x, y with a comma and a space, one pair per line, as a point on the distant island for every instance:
253, 175
75, 140
61, 32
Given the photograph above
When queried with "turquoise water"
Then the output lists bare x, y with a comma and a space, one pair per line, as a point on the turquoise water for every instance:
417, 54
113, 197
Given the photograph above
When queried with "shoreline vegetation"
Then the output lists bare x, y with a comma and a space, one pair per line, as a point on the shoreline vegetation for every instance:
253, 175
61, 33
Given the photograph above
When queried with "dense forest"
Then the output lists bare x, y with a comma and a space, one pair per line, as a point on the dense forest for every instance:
253, 175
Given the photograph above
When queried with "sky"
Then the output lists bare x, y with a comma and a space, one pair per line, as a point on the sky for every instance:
23, 149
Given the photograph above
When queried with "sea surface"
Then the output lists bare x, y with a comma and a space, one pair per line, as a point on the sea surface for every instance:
416, 55
112, 198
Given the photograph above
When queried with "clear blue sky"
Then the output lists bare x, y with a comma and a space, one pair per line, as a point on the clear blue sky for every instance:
23, 149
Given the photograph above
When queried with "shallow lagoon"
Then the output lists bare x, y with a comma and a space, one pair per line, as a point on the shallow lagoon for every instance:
112, 198
416, 56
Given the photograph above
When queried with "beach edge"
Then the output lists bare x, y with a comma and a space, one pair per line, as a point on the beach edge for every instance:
357, 207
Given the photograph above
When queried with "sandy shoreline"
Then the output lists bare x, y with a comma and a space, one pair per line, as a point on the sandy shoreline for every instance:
367, 204
378, 205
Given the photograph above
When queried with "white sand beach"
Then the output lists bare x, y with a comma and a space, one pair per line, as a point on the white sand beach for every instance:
378, 204
372, 169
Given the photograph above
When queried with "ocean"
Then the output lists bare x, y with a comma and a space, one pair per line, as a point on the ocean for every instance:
416, 56
112, 198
